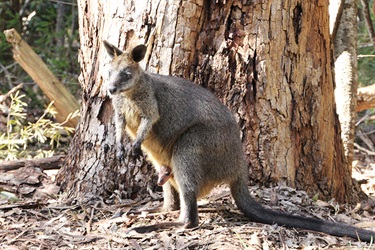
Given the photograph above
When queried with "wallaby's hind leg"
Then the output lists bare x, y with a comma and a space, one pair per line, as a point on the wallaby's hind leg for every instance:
186, 200
171, 197
187, 175
189, 209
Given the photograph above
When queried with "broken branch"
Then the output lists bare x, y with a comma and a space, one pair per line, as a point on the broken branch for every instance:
47, 163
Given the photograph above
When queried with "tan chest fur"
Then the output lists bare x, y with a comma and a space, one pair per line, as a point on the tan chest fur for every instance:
156, 153
132, 116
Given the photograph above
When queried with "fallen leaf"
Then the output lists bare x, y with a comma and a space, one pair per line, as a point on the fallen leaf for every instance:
4, 195
254, 242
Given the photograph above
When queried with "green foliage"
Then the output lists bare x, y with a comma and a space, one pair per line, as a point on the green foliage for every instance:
38, 23
22, 136
366, 65
12, 21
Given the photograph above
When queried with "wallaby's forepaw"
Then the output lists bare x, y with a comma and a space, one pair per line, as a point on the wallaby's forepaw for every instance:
137, 153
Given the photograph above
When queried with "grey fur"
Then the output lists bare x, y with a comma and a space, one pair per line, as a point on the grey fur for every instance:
185, 127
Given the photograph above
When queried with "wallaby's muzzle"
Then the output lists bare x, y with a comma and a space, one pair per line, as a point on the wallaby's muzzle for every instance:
112, 90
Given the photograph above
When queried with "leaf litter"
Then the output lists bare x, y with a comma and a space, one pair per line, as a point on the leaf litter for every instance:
41, 219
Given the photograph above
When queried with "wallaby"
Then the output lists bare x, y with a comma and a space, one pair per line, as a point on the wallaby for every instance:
184, 126
164, 174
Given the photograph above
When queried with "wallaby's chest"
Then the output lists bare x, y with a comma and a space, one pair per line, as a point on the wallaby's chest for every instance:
130, 110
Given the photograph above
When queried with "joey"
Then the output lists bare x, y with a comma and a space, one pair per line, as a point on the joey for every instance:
164, 174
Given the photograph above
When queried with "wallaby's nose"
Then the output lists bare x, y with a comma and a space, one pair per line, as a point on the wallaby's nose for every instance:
112, 90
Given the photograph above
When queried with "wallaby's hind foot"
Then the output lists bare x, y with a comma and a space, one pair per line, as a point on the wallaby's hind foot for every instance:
189, 210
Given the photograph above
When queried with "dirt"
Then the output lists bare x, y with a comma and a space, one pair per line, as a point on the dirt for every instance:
47, 221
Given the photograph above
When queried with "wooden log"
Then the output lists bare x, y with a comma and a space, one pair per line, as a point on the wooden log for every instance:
64, 101
53, 162
366, 98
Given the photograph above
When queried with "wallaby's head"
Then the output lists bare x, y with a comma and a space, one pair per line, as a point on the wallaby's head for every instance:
124, 70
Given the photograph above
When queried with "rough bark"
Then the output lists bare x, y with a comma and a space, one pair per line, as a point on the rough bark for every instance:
346, 74
269, 63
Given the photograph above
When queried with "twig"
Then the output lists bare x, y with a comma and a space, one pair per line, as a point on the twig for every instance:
367, 133
25, 205
15, 238
22, 10
364, 149
365, 56
13, 90
64, 2
282, 240
368, 115
7, 74
89, 223
38, 214
365, 138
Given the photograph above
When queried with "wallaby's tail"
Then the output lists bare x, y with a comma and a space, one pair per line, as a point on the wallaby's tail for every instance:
257, 213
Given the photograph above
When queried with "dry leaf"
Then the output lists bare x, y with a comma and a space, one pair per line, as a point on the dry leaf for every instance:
255, 242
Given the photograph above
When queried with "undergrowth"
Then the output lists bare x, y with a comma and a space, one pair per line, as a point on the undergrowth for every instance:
24, 139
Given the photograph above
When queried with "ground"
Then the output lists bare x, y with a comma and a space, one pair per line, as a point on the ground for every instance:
47, 221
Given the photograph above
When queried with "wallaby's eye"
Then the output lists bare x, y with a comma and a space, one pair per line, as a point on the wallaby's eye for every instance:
167, 173
125, 75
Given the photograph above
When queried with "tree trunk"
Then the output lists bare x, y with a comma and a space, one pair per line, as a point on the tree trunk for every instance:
346, 76
368, 21
60, 24
270, 64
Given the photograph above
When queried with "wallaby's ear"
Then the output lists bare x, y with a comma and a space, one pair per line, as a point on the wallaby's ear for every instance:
138, 53
112, 50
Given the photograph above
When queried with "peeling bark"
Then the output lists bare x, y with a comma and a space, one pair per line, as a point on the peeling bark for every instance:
269, 63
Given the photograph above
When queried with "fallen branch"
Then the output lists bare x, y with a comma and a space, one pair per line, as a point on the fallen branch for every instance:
24, 205
365, 98
47, 163
64, 101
